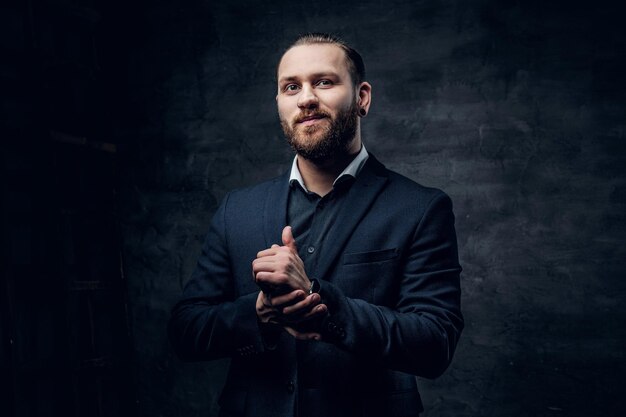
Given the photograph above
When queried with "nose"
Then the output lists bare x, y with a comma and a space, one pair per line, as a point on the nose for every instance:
307, 98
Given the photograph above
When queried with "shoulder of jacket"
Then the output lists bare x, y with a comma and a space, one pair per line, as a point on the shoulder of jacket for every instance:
402, 183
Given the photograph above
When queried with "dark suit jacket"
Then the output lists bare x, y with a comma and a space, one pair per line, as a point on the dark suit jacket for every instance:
390, 278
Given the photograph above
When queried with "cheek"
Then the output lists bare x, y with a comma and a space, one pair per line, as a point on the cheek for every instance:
281, 114
285, 109
339, 101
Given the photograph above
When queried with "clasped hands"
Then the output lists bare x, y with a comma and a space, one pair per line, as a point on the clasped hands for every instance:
284, 298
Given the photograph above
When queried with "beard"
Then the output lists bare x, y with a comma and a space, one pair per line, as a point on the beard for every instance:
326, 142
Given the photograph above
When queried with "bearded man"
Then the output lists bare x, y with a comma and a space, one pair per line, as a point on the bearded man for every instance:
332, 286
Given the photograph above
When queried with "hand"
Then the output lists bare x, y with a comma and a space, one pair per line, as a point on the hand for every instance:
284, 298
300, 311
306, 314
292, 308
270, 310
279, 269
264, 309
296, 307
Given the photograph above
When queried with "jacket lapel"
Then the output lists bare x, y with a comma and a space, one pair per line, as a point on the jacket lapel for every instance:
275, 210
369, 183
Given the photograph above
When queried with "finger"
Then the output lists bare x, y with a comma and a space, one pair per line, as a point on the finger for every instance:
266, 300
303, 336
288, 239
264, 312
302, 316
318, 310
268, 287
288, 298
273, 280
261, 264
267, 315
302, 306
268, 252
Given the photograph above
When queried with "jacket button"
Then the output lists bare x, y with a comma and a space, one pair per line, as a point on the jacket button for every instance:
291, 387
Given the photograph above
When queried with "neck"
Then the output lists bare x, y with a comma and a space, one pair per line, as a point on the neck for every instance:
319, 177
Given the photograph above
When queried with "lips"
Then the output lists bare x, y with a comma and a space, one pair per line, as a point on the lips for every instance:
310, 119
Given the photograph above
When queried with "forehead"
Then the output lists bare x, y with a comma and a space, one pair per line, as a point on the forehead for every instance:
304, 60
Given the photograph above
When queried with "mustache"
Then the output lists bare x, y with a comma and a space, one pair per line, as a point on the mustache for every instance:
306, 115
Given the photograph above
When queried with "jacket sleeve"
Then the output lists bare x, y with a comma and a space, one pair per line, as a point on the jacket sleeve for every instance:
419, 334
209, 322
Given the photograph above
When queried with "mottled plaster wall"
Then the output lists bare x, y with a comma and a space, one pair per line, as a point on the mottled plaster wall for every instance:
516, 109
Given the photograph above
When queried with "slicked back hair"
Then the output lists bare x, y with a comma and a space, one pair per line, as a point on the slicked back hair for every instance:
356, 67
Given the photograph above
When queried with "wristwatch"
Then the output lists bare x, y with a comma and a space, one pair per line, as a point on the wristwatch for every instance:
315, 287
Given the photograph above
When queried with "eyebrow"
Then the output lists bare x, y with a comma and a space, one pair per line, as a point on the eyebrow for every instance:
315, 75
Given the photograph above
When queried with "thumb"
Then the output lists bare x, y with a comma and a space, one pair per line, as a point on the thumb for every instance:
288, 239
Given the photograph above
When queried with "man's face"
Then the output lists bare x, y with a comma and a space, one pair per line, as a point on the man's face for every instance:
317, 101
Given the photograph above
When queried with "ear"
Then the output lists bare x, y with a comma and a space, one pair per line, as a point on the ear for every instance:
364, 99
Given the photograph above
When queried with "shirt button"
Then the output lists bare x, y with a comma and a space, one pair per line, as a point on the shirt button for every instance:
291, 387
310, 249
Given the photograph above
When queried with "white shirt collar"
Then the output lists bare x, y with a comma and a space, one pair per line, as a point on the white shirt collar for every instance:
352, 169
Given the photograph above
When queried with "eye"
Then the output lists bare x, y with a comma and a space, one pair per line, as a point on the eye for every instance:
290, 88
324, 83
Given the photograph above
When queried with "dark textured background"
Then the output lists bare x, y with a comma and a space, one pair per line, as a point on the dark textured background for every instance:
515, 108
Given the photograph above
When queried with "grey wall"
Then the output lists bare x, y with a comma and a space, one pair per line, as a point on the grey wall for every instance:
514, 108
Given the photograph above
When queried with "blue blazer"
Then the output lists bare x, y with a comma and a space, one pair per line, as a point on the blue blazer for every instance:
389, 275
